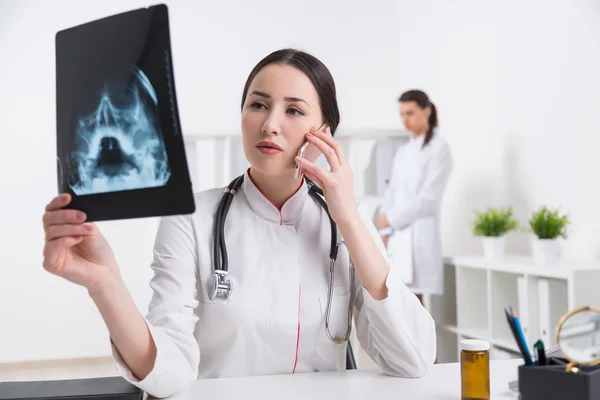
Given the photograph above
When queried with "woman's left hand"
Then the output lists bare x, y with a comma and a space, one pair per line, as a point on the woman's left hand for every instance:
382, 221
338, 183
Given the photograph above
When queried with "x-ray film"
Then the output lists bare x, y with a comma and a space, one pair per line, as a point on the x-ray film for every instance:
120, 152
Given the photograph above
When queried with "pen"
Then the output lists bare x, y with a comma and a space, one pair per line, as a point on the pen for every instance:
522, 336
541, 353
518, 338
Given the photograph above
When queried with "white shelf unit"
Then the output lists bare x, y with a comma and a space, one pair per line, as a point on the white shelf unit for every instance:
214, 159
477, 290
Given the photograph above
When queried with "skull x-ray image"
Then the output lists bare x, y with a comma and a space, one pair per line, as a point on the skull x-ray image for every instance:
120, 151
120, 146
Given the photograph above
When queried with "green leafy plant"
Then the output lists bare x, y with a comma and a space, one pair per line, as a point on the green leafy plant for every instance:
494, 222
547, 223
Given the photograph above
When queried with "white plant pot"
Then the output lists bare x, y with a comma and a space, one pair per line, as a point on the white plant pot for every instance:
545, 251
494, 247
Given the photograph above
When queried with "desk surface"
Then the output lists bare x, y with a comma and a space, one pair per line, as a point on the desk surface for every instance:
441, 383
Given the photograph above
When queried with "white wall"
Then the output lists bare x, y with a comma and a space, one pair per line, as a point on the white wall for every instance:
516, 83
215, 45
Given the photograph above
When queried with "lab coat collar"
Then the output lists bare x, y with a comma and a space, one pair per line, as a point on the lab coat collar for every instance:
418, 140
290, 211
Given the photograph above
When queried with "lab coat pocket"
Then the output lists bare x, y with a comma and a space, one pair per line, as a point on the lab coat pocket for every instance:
414, 181
229, 330
334, 354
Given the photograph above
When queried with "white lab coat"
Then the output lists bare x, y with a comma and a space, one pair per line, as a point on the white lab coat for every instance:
273, 323
412, 204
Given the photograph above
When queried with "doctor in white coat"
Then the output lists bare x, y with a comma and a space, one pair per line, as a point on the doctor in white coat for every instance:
278, 241
409, 220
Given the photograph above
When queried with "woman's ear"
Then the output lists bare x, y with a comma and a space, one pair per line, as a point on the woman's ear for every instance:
428, 112
325, 128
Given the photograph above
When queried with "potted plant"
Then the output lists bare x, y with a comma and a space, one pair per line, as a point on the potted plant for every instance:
548, 225
492, 225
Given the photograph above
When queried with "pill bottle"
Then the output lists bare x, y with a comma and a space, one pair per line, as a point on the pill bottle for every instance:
475, 369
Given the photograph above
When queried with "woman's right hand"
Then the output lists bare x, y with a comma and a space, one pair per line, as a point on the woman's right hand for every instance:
76, 250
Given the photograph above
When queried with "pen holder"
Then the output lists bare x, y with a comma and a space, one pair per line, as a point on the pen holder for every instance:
551, 382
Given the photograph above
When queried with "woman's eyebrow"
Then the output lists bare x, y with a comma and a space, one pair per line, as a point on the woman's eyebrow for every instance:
296, 99
268, 96
261, 94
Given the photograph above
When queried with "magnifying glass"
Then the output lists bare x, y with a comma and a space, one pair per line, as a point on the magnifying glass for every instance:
578, 337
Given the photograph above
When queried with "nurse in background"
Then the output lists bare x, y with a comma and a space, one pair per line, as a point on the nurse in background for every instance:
409, 218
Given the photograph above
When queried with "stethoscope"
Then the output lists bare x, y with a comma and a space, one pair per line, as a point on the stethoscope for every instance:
221, 287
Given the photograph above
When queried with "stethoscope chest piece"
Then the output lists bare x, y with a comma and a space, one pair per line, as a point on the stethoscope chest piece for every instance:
219, 287
338, 340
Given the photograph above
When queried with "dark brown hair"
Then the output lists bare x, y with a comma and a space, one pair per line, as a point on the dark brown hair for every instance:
423, 102
315, 70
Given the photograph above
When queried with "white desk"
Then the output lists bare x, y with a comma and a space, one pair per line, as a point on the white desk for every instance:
441, 383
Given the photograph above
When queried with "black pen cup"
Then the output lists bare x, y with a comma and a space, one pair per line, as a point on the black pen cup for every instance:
553, 382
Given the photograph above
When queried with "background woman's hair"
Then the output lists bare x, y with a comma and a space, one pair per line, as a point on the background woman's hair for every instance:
316, 71
423, 101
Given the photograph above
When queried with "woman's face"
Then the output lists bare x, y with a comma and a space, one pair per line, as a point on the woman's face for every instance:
281, 106
414, 118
